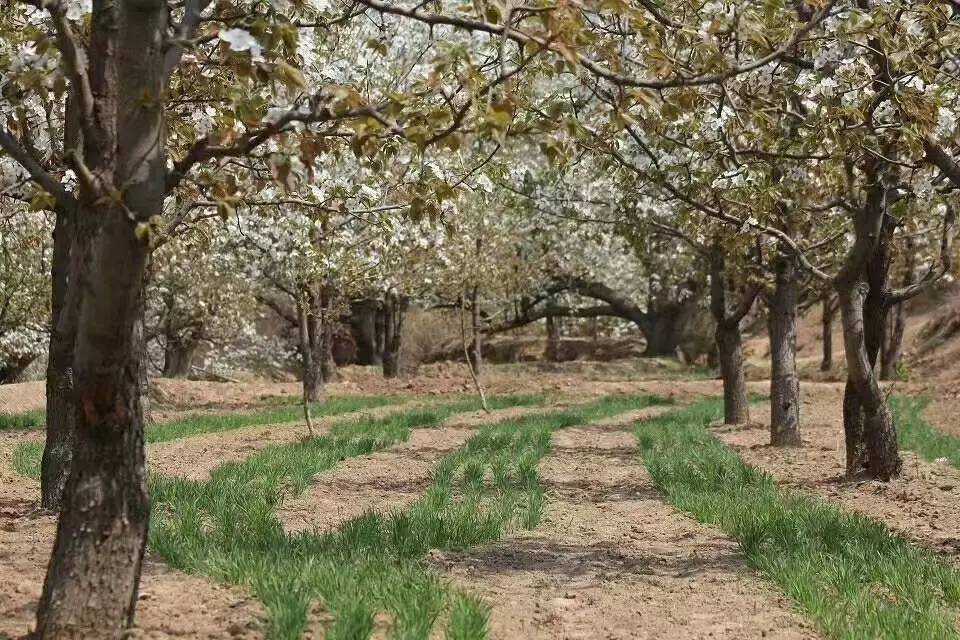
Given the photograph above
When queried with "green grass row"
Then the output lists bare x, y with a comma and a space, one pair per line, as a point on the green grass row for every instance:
33, 419
853, 576
27, 456
226, 528
918, 435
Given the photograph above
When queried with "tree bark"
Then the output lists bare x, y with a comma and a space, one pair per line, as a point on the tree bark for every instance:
394, 307
869, 430
65, 303
476, 325
552, 351
178, 356
892, 348
312, 346
782, 329
90, 590
736, 406
363, 327
829, 308
871, 435
11, 370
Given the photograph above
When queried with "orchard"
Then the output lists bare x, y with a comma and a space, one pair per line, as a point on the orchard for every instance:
485, 319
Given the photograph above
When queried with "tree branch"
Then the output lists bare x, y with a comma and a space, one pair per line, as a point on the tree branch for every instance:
64, 198
623, 80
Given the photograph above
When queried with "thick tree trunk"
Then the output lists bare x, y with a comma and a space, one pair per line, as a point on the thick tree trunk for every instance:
736, 406
65, 304
394, 307
90, 590
660, 333
829, 311
782, 328
871, 435
178, 356
11, 370
363, 327
91, 583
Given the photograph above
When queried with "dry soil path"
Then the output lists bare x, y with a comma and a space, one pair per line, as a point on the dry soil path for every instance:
611, 560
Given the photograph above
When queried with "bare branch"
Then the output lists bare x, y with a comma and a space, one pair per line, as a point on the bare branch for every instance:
50, 184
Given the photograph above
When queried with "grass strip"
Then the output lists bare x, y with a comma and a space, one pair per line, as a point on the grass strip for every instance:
27, 456
918, 435
850, 573
227, 528
33, 419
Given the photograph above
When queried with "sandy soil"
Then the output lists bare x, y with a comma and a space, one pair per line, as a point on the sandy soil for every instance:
923, 505
610, 560
386, 480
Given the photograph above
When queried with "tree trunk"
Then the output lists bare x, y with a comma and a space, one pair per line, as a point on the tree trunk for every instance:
363, 326
736, 407
394, 307
328, 365
11, 370
870, 433
893, 343
178, 356
660, 333
782, 328
892, 348
312, 348
552, 351
829, 311
90, 590
477, 350
65, 304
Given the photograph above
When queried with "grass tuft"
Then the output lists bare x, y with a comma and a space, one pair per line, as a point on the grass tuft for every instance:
227, 528
853, 576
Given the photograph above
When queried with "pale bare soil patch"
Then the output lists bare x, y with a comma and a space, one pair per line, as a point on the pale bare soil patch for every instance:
611, 561
923, 505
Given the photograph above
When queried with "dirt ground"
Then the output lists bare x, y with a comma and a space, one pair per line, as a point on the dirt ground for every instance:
386, 480
610, 560
172, 604
923, 504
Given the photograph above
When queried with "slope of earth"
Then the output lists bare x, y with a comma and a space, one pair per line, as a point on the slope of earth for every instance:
931, 341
